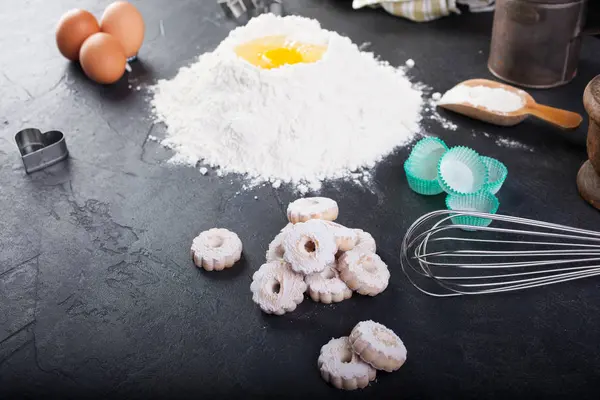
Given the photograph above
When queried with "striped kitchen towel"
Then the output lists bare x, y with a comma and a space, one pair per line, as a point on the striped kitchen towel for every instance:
416, 10
424, 10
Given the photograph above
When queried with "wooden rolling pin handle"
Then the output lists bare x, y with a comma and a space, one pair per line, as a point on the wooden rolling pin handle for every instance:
562, 118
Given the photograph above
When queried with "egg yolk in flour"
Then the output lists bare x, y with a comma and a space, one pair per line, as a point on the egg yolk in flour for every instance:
276, 51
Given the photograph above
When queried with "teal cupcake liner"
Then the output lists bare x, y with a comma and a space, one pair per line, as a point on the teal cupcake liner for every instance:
484, 202
422, 186
461, 171
421, 166
497, 174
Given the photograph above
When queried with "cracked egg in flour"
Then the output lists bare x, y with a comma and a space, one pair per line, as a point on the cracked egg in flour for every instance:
276, 51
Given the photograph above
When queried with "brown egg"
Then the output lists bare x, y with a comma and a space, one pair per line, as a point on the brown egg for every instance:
102, 58
73, 28
122, 20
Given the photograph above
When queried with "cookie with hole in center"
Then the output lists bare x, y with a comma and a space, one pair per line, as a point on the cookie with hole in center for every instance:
275, 251
363, 272
364, 241
309, 246
216, 249
345, 238
342, 368
276, 288
327, 287
378, 345
308, 208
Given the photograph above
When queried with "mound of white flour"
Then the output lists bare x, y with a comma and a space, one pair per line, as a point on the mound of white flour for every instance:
301, 123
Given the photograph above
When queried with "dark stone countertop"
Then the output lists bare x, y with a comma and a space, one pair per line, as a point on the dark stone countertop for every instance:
98, 297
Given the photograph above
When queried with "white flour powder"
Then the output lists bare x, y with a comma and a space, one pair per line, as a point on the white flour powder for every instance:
513, 144
299, 124
495, 99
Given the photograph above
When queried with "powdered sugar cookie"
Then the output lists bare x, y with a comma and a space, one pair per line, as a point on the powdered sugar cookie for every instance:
287, 227
302, 210
377, 345
363, 272
341, 367
365, 241
345, 238
275, 251
276, 288
309, 246
216, 249
327, 287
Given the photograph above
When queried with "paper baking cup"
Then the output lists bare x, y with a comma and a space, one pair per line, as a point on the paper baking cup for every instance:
421, 166
497, 174
479, 202
461, 171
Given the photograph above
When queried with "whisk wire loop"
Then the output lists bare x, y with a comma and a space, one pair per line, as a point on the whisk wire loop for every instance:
506, 258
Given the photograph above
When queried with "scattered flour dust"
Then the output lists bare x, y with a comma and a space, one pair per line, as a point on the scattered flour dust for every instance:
429, 110
513, 144
299, 124
433, 114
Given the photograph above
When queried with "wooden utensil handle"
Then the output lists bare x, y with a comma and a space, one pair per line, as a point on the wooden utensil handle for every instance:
562, 118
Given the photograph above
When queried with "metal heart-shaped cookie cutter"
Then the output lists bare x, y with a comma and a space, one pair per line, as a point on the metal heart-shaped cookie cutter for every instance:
40, 150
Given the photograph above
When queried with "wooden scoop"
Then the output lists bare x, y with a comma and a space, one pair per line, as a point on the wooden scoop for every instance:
562, 118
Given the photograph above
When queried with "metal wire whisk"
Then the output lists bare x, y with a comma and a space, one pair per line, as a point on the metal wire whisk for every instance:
441, 259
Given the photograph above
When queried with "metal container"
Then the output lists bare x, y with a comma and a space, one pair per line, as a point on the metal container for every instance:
536, 43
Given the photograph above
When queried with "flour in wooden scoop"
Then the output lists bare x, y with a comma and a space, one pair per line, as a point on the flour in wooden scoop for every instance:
494, 99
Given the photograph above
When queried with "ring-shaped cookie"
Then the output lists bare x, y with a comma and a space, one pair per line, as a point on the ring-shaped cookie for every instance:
345, 238
307, 208
365, 241
342, 368
216, 249
363, 272
275, 251
327, 287
378, 345
276, 288
309, 246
